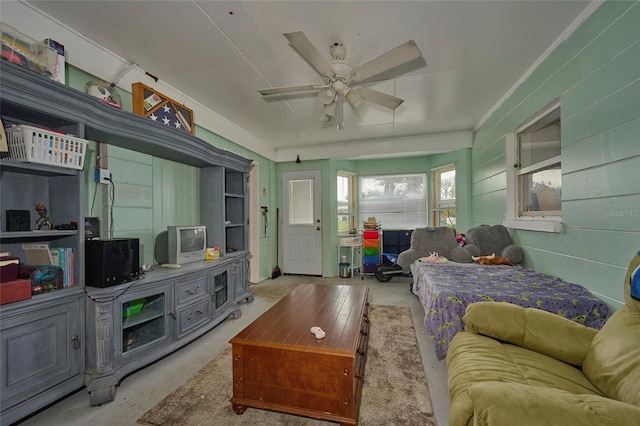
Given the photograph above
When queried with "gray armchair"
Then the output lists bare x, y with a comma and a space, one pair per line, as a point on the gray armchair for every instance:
424, 241
485, 240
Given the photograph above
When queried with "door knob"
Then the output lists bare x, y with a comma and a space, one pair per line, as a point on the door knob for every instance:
318, 228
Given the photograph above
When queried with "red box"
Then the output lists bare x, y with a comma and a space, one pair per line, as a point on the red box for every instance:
370, 235
9, 268
13, 291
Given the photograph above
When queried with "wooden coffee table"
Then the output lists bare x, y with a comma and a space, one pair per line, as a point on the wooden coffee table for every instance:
279, 365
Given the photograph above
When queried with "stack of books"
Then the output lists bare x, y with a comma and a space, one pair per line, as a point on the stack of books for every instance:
65, 259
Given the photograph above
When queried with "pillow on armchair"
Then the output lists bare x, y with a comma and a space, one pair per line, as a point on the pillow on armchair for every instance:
485, 240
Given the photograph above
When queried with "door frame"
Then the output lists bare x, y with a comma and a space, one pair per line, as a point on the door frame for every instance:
254, 224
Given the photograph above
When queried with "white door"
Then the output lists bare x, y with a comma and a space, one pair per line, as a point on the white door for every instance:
301, 224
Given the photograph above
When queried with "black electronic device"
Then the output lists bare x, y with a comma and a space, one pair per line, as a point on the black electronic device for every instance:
66, 226
112, 262
18, 220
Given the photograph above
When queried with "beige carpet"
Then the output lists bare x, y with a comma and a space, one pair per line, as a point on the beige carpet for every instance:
395, 388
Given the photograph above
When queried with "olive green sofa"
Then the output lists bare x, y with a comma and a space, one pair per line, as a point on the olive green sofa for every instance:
524, 366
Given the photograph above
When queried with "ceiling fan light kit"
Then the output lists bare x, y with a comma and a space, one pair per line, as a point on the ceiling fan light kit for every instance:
354, 98
338, 75
327, 95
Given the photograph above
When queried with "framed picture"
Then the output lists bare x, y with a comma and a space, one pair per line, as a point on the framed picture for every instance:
152, 104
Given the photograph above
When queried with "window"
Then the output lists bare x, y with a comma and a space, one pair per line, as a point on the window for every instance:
301, 201
396, 201
534, 173
346, 202
444, 196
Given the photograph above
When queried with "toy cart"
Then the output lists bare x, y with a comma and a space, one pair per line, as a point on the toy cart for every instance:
390, 268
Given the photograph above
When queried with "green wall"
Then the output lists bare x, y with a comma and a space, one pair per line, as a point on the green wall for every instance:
596, 76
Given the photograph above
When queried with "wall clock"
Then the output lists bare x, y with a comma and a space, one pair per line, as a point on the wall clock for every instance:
160, 108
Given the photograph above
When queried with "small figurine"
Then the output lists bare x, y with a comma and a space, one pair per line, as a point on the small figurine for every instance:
44, 218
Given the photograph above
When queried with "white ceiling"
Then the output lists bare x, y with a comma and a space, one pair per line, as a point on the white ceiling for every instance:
221, 52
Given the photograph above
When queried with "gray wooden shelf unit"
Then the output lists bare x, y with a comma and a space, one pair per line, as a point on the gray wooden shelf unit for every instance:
55, 343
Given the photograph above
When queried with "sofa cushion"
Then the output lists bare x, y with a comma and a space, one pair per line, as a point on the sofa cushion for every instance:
473, 358
531, 328
613, 360
612, 363
507, 404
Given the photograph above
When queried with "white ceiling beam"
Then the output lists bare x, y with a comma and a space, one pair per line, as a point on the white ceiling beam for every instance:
380, 148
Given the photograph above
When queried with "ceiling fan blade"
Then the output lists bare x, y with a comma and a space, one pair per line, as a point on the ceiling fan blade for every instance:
290, 89
303, 46
402, 54
379, 98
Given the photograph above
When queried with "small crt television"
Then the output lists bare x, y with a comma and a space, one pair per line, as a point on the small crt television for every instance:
181, 244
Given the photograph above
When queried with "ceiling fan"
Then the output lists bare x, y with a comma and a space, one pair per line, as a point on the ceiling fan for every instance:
338, 76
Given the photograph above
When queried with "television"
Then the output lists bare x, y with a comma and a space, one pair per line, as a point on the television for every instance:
181, 244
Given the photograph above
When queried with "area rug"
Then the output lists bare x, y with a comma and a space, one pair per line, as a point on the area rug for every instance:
395, 390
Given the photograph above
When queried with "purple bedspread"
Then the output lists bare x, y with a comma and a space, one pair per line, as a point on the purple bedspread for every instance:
445, 290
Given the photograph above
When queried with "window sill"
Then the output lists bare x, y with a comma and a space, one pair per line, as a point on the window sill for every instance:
554, 226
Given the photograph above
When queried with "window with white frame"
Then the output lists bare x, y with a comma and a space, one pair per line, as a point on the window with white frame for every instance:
534, 173
444, 196
396, 201
346, 202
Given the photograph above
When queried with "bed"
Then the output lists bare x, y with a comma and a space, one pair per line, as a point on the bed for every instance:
445, 290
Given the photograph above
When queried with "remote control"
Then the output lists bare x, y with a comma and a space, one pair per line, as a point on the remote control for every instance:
318, 332
171, 265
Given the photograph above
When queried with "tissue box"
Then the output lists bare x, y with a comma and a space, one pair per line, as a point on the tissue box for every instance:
8, 268
13, 291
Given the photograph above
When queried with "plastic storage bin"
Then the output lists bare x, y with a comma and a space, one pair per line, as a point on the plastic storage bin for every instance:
34, 145
133, 307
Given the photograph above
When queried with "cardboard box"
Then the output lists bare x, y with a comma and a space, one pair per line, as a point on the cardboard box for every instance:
212, 253
13, 291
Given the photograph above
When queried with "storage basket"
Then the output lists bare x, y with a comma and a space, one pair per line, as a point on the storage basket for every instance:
350, 241
34, 145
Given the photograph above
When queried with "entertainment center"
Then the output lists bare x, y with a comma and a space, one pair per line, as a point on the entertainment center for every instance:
55, 343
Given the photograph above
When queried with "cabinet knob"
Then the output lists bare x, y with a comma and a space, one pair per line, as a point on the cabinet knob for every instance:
76, 342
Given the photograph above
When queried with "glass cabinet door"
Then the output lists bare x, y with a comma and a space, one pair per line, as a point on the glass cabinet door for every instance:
143, 321
221, 288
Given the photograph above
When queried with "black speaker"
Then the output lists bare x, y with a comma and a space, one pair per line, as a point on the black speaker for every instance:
18, 220
111, 262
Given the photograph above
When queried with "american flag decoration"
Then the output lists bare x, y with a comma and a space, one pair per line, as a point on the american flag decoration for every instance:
161, 109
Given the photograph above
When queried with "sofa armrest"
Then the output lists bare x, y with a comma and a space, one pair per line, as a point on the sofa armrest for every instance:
513, 252
531, 328
499, 403
407, 257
